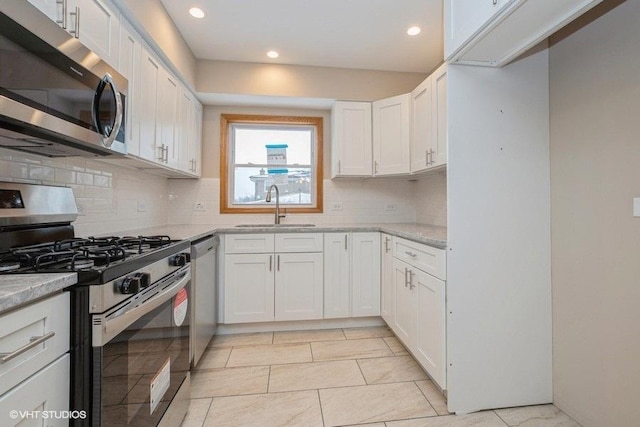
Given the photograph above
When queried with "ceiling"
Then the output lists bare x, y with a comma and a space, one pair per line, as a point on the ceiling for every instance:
364, 34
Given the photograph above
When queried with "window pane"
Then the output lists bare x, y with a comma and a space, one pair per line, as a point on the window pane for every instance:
250, 144
251, 185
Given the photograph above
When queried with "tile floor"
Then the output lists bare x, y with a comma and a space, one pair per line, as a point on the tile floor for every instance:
338, 377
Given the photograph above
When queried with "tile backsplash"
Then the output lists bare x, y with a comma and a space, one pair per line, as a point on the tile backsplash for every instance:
113, 198
110, 198
345, 202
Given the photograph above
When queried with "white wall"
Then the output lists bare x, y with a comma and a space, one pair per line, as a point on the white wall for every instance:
107, 195
595, 173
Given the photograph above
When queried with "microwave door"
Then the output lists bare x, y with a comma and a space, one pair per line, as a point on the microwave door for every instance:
107, 110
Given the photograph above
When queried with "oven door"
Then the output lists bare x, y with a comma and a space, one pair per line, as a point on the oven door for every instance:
141, 354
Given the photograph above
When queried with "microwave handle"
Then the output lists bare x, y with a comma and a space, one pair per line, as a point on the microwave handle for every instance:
108, 134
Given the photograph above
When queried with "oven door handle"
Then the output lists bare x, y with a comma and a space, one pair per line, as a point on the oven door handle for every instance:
114, 326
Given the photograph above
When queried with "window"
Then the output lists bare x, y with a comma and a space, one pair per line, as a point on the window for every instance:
259, 151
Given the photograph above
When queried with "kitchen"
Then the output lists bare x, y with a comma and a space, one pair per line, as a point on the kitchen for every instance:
594, 347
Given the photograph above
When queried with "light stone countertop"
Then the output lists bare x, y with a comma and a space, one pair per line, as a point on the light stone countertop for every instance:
430, 235
20, 289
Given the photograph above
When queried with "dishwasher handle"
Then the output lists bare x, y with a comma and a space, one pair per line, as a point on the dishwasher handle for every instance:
202, 246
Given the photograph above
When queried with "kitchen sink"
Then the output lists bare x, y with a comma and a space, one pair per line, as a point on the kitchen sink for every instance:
275, 225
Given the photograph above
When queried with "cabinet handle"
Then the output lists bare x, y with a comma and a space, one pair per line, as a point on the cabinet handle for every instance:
411, 285
33, 342
345, 242
161, 148
386, 244
76, 30
278, 262
339, 167
411, 254
431, 155
270, 262
426, 157
166, 154
63, 21
375, 167
406, 273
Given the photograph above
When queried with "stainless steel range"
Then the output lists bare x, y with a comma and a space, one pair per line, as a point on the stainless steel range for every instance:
130, 308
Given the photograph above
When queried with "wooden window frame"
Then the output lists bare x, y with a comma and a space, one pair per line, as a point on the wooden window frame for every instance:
226, 120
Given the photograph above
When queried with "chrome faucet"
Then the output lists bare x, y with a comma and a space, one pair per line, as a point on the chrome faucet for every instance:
268, 200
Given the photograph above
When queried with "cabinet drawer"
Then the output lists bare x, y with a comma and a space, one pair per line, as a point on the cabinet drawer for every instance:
248, 243
47, 321
299, 242
428, 259
47, 390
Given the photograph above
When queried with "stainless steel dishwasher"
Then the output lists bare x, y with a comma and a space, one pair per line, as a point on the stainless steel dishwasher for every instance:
204, 315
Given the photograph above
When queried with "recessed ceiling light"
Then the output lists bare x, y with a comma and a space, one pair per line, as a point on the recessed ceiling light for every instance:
273, 54
413, 31
196, 12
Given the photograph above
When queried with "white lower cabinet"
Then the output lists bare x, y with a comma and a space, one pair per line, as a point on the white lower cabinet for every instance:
263, 285
419, 304
404, 324
430, 325
248, 288
352, 274
34, 373
387, 291
298, 286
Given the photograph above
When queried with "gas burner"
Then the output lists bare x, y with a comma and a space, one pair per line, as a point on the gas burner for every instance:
6, 267
81, 264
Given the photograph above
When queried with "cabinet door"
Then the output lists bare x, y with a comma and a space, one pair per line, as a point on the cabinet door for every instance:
421, 126
404, 324
97, 24
387, 294
196, 145
168, 112
430, 325
184, 130
130, 54
391, 135
337, 276
365, 274
351, 144
248, 288
439, 110
149, 124
464, 18
47, 390
299, 285
51, 8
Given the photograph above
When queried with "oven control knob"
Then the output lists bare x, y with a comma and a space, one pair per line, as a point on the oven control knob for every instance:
145, 279
130, 285
180, 260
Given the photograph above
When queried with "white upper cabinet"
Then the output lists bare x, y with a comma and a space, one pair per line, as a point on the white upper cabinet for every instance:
351, 145
148, 98
130, 54
95, 23
421, 126
52, 8
391, 135
438, 156
494, 32
429, 122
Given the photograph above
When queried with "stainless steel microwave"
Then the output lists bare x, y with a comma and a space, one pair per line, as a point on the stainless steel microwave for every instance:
57, 98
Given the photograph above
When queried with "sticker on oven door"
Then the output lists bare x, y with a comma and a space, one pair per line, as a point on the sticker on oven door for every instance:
180, 307
159, 385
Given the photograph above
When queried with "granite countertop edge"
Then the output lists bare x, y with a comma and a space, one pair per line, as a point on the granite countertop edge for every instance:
17, 290
431, 235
